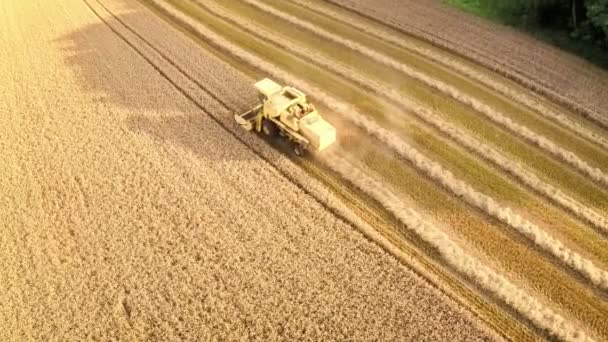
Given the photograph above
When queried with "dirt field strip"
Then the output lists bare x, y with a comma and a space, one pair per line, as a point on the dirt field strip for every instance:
383, 135
575, 83
480, 149
513, 94
549, 146
460, 189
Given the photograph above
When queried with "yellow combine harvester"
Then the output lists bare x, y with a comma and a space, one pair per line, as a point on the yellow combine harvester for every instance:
285, 111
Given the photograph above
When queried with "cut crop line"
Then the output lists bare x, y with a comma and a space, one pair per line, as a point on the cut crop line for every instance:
436, 172
167, 59
512, 94
562, 154
529, 307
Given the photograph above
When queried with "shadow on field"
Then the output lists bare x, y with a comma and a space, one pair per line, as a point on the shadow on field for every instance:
106, 66
192, 133
116, 76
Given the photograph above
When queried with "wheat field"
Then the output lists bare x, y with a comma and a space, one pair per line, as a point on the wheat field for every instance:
457, 204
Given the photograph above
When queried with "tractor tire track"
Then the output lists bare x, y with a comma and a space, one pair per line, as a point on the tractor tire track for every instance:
540, 141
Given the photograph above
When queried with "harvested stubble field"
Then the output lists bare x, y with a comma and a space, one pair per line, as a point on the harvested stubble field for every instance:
566, 78
457, 204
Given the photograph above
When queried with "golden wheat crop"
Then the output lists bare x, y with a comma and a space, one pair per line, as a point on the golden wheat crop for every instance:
134, 207
129, 213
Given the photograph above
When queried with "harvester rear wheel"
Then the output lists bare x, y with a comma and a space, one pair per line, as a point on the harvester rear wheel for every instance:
269, 128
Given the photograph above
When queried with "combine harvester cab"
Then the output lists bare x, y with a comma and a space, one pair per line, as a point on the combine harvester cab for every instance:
285, 111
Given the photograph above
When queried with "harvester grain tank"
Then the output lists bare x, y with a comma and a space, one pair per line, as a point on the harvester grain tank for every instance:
285, 111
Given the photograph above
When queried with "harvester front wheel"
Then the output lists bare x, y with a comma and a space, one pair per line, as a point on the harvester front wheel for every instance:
269, 128
298, 149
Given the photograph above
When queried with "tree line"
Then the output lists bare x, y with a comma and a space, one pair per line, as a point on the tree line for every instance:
587, 20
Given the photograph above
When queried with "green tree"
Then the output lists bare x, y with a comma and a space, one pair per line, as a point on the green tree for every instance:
578, 26
597, 11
